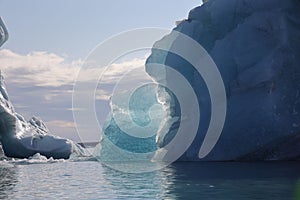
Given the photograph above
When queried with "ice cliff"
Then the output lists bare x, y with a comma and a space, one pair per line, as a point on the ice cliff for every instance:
256, 47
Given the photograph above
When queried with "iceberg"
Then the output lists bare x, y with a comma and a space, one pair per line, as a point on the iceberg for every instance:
3, 33
129, 132
22, 139
256, 47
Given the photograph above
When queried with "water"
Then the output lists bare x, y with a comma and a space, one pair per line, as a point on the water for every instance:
88, 179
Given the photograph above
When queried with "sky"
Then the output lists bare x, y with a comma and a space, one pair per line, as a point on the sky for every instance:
49, 41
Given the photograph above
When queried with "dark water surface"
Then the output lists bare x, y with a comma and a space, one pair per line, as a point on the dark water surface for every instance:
186, 180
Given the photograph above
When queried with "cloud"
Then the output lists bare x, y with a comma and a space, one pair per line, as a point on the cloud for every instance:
102, 95
57, 94
46, 70
63, 128
49, 69
92, 72
38, 68
52, 72
61, 123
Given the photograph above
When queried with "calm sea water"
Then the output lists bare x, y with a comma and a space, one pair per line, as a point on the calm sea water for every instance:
27, 179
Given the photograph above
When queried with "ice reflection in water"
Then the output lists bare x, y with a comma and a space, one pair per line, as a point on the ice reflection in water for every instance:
8, 179
185, 180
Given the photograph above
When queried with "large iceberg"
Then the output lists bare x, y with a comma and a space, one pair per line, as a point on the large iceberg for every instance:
22, 139
256, 47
